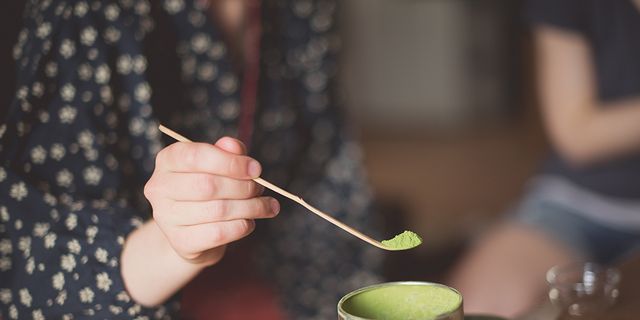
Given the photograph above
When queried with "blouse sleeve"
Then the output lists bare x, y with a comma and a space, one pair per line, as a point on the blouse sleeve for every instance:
76, 146
60, 257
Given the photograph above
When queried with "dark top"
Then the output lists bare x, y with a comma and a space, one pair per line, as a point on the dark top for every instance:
79, 136
612, 28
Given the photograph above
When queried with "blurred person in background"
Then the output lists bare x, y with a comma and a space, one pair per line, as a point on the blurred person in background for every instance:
585, 202
85, 85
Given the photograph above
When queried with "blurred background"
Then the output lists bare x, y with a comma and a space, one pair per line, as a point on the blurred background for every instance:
441, 93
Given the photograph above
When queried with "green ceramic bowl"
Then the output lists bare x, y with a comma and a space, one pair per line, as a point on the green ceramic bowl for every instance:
410, 300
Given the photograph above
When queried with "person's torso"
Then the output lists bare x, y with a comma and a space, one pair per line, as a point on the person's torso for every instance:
613, 29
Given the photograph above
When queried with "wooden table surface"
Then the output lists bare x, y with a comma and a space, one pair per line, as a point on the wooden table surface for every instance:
627, 307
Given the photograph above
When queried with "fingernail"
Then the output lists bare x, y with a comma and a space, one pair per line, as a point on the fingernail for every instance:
254, 169
275, 206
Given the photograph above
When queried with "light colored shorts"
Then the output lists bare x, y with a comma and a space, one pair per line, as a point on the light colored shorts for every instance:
593, 240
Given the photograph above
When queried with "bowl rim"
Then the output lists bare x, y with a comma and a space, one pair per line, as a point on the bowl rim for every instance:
344, 313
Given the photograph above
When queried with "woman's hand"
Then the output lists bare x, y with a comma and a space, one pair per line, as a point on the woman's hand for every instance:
203, 197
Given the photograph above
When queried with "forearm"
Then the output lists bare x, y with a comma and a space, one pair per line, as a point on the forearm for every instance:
151, 269
616, 130
601, 132
582, 129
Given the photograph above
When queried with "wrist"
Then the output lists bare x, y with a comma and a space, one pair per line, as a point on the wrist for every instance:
151, 270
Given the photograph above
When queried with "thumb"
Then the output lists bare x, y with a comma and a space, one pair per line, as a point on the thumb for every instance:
231, 145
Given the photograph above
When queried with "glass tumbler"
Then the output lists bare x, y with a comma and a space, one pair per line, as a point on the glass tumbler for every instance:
583, 290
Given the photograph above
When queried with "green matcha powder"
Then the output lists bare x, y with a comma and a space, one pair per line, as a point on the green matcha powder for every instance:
403, 241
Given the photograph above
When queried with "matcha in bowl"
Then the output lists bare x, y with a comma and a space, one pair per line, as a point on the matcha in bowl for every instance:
402, 301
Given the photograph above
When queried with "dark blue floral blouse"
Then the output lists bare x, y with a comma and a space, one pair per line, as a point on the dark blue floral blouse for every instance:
94, 79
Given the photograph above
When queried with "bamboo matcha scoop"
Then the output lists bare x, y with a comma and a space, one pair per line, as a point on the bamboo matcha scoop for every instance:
403, 241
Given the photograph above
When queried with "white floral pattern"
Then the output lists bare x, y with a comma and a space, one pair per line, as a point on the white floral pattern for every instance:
80, 139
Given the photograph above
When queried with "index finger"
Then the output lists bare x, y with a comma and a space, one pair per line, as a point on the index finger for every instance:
206, 158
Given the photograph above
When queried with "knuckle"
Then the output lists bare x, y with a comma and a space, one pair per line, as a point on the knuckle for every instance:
205, 184
161, 157
188, 152
261, 206
235, 166
219, 209
217, 236
253, 206
150, 189
179, 153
